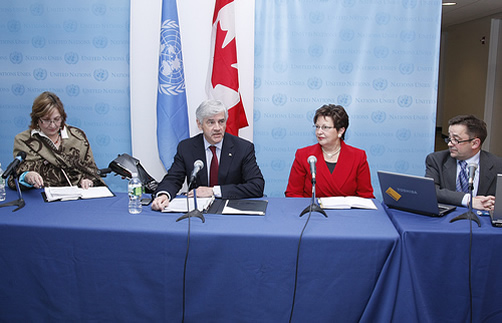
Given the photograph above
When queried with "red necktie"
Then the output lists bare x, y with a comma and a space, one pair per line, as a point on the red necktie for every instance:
213, 172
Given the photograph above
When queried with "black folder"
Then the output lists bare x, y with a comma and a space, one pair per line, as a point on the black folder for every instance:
238, 207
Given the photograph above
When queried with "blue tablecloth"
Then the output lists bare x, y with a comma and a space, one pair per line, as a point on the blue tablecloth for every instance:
93, 261
434, 277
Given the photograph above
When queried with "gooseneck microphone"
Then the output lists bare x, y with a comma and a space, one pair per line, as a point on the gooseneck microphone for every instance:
312, 160
197, 166
472, 171
13, 165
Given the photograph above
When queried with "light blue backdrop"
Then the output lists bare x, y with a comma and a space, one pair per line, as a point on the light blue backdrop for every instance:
377, 58
80, 51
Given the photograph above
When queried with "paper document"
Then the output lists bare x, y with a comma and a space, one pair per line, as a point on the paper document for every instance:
250, 207
179, 204
68, 193
346, 202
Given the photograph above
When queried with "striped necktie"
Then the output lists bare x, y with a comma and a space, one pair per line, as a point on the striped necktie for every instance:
462, 180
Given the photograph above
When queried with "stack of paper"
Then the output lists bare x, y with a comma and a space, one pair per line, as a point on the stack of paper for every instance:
179, 204
68, 193
346, 202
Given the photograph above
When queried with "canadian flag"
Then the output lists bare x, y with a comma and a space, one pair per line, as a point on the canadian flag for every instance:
223, 77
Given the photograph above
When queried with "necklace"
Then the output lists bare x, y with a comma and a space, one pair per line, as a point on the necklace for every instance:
332, 154
57, 140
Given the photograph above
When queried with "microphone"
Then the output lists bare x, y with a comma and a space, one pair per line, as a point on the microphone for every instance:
197, 166
472, 171
104, 171
312, 160
12, 166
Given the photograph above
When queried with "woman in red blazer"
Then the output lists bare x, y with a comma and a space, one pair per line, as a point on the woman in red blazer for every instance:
342, 170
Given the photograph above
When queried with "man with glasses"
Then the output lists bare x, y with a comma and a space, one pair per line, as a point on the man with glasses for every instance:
448, 168
230, 170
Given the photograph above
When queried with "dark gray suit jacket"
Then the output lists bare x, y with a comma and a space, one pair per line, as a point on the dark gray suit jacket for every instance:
238, 174
441, 167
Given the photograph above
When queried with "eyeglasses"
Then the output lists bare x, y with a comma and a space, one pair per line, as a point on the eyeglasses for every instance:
323, 128
455, 141
56, 121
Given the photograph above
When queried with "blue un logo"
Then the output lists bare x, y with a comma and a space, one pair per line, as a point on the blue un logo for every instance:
20, 122
345, 67
71, 58
410, 4
72, 90
256, 115
380, 84
407, 36
40, 74
14, 26
70, 26
378, 116
278, 133
314, 83
316, 17
381, 51
277, 165
100, 42
103, 140
377, 150
402, 166
403, 134
279, 99
100, 75
38, 41
406, 68
382, 18
16, 57
347, 34
316, 50
17, 89
257, 82
405, 101
99, 9
280, 67
37, 9
344, 100
101, 108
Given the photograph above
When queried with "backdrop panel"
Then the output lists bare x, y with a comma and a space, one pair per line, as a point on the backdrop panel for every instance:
378, 59
80, 51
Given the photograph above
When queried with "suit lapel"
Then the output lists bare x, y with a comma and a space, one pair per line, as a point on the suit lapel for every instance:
226, 158
487, 174
450, 171
199, 153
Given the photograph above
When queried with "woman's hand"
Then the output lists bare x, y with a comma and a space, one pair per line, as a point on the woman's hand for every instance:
86, 183
34, 179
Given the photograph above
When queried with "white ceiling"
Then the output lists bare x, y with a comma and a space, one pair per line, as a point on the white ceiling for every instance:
467, 10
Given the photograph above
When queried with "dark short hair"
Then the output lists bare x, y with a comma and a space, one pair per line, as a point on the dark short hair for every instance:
476, 128
44, 105
337, 113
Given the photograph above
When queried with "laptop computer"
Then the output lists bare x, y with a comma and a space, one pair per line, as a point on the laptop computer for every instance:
496, 215
411, 193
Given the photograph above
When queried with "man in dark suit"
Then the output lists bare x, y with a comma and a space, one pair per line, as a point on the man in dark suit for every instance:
237, 174
466, 135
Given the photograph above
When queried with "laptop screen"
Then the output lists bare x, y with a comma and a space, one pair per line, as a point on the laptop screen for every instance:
408, 192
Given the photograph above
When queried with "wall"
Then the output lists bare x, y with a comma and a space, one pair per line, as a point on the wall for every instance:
464, 71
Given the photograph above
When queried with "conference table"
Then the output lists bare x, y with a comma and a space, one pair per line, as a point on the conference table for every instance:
90, 260
434, 272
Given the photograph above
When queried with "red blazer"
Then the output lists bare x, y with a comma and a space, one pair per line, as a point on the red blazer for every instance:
351, 176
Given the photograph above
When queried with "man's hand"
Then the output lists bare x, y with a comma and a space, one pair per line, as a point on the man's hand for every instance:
483, 202
160, 202
202, 191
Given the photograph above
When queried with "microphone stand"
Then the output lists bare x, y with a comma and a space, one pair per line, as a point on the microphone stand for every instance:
19, 202
469, 215
195, 213
313, 207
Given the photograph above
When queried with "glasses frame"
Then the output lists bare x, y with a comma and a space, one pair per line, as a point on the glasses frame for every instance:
57, 121
455, 141
323, 128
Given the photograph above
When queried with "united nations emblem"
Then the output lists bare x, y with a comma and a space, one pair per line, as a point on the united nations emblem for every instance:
171, 76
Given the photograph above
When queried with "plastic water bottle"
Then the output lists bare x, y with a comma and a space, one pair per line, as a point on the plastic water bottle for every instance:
2, 185
135, 189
